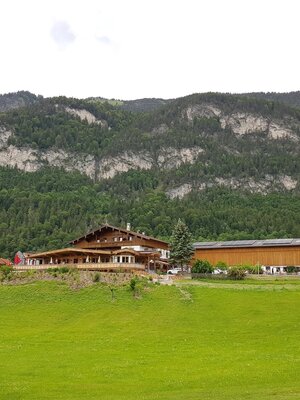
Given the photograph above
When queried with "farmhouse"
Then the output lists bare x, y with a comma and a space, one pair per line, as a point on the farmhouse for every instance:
273, 254
107, 248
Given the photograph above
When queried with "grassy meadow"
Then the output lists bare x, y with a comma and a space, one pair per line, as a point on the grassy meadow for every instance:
188, 342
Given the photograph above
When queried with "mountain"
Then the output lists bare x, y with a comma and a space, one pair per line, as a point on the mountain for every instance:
11, 101
228, 164
290, 98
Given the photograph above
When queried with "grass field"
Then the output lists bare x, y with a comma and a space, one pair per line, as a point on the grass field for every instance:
188, 342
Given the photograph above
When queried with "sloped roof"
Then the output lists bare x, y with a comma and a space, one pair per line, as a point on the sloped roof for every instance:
5, 261
247, 243
68, 250
105, 226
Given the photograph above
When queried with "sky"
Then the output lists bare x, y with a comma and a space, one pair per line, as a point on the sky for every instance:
129, 49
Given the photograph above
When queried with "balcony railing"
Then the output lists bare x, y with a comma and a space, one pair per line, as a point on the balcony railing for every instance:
84, 266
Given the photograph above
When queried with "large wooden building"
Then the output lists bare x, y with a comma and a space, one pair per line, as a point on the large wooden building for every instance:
107, 248
271, 253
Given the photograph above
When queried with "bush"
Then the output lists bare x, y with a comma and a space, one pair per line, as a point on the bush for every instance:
96, 277
236, 273
202, 267
291, 269
56, 270
132, 284
250, 269
64, 270
5, 272
221, 265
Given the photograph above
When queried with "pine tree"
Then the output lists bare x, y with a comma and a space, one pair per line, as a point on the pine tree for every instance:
181, 245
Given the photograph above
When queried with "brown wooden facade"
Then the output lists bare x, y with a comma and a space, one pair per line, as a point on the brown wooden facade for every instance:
273, 255
109, 237
107, 248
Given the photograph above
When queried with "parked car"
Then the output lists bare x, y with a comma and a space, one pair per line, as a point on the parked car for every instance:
173, 271
218, 271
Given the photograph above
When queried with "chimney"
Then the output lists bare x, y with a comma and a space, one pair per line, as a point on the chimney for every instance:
128, 226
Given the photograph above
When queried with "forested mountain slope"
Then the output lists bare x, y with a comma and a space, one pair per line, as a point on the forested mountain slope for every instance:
289, 98
11, 101
229, 165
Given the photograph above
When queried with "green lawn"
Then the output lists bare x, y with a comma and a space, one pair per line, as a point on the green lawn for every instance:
174, 343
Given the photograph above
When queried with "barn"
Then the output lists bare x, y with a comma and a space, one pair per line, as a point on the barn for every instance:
273, 254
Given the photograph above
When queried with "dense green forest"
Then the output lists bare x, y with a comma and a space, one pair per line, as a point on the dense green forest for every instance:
47, 208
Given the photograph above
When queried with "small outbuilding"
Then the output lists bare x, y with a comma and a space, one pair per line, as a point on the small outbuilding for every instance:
5, 261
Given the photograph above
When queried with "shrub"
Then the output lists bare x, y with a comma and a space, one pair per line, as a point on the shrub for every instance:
202, 267
251, 269
96, 277
291, 269
236, 273
132, 284
64, 270
57, 270
5, 272
221, 265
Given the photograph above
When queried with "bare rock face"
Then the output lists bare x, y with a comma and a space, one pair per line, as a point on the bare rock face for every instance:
278, 131
201, 110
4, 136
172, 158
110, 166
242, 123
180, 191
262, 186
30, 160
161, 129
23, 159
85, 115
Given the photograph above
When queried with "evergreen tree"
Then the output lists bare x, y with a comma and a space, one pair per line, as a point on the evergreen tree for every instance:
181, 245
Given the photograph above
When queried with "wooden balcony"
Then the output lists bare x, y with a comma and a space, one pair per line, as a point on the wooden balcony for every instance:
85, 267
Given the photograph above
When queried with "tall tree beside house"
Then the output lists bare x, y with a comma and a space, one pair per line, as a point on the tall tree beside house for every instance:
181, 245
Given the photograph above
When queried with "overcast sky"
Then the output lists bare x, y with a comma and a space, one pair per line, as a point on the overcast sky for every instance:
129, 49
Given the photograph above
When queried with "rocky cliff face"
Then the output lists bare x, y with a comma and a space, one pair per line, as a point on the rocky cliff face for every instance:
242, 123
161, 151
30, 160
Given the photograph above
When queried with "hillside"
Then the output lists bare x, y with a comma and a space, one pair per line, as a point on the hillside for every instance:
291, 98
228, 164
11, 101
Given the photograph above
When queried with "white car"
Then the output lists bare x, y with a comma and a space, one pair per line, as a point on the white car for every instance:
173, 271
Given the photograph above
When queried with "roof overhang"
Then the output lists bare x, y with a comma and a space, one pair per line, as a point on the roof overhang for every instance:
114, 228
236, 244
69, 252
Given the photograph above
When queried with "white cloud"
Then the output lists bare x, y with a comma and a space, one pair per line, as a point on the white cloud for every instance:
133, 48
61, 33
